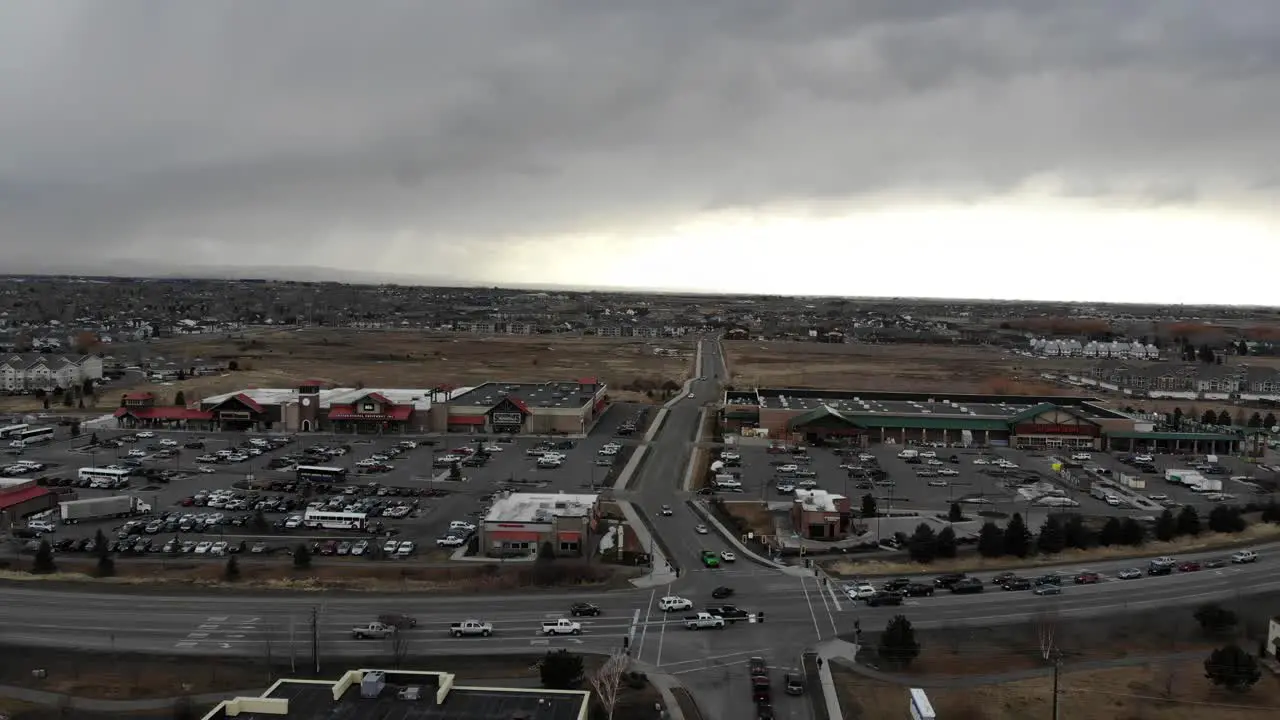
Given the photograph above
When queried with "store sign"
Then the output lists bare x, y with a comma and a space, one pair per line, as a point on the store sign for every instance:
507, 418
1054, 429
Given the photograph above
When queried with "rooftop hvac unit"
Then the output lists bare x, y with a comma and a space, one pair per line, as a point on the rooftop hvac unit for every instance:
371, 684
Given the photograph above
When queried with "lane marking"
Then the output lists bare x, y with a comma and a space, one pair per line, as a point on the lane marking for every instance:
831, 589
662, 636
830, 616
644, 630
631, 632
804, 585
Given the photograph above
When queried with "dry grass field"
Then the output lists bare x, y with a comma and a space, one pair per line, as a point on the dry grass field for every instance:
349, 358
1176, 691
917, 368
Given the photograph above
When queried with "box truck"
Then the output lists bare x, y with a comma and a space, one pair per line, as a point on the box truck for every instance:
116, 506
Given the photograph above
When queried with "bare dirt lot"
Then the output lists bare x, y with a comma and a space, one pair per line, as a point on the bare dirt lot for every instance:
917, 368
953, 661
351, 358
1174, 691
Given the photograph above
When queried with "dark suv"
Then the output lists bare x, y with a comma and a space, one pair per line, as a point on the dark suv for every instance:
967, 586
948, 580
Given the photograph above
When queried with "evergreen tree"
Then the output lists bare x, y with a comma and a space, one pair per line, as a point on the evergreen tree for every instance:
1188, 521
1053, 538
947, 543
1224, 519
301, 557
1269, 421
43, 561
923, 545
1017, 538
1110, 534
1224, 418
1255, 420
1077, 533
1131, 532
1232, 668
955, 515
101, 547
990, 540
232, 572
1166, 526
106, 566
869, 509
180, 399
561, 670
1209, 418
898, 645
1271, 512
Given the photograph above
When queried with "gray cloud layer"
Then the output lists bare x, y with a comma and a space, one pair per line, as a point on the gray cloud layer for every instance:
251, 132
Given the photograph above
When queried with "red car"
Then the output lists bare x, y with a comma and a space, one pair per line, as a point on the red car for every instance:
1087, 578
1189, 566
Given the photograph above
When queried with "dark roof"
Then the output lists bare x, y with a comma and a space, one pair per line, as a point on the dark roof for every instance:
314, 701
821, 412
528, 395
931, 422
1171, 436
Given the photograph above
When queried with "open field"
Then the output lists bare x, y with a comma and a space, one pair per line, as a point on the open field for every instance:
1173, 691
917, 368
364, 577
350, 358
1256, 533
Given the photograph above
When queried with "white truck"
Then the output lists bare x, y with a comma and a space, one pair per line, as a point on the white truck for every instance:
563, 626
703, 620
373, 631
471, 627
115, 506
672, 602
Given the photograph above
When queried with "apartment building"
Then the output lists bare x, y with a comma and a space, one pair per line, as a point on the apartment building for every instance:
27, 372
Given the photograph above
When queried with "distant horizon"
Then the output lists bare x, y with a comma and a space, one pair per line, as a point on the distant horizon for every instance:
319, 275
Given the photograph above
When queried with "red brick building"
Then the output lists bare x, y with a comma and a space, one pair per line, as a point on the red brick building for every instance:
140, 410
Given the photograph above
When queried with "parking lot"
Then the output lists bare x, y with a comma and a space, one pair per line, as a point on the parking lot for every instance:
968, 476
243, 488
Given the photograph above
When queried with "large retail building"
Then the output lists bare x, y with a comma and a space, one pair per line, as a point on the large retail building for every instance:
548, 408
862, 418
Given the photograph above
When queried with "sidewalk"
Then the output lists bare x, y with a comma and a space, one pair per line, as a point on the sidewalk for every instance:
662, 573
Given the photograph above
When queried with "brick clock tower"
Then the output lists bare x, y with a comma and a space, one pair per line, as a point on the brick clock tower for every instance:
309, 406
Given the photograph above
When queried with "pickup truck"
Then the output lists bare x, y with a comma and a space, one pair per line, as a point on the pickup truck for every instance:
562, 626
471, 627
703, 620
373, 631
730, 613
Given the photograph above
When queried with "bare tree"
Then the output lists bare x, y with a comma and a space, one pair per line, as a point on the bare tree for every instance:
607, 680
399, 642
1047, 630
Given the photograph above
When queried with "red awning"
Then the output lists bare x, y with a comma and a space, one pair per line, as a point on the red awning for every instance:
16, 497
377, 397
513, 536
569, 535
466, 419
138, 396
587, 381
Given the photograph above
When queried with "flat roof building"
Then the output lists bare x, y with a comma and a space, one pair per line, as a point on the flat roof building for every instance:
519, 523
1031, 421
403, 695
548, 408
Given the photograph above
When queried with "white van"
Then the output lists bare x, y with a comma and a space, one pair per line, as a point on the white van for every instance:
904, 454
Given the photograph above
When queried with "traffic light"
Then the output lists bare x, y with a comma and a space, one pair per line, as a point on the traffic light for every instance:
760, 616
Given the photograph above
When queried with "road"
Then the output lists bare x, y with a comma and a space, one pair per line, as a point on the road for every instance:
798, 612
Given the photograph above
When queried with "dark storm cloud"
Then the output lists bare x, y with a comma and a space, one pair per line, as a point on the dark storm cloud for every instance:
254, 130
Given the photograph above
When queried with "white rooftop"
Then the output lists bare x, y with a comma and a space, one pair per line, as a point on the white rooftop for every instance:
539, 507
818, 500
419, 399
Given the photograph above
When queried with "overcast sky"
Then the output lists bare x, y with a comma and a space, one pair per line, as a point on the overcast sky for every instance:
1083, 149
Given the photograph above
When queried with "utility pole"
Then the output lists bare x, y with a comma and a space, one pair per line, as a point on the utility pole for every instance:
315, 639
1057, 670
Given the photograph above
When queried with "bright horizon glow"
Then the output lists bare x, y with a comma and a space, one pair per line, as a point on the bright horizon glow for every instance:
1043, 250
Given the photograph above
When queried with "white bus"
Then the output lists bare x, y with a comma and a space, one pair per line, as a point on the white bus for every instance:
113, 476
33, 436
334, 520
6, 432
318, 473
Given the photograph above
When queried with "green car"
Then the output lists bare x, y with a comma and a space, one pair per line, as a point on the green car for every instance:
710, 559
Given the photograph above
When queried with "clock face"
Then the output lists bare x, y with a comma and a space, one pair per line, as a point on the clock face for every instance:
306, 401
